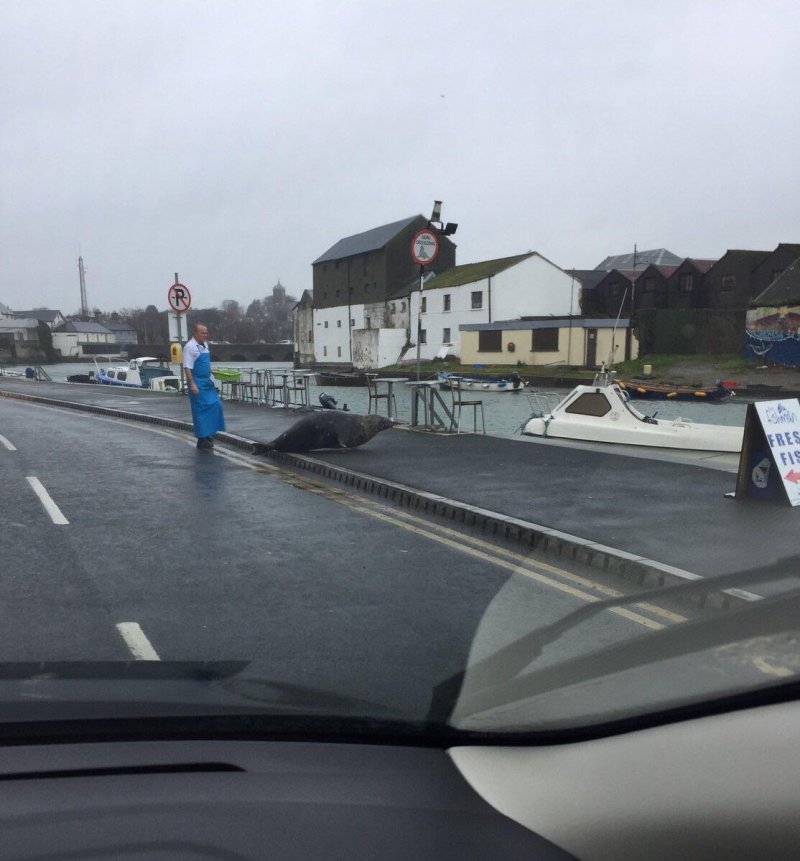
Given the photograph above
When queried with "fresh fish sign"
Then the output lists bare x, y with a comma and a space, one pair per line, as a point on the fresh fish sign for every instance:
780, 421
771, 451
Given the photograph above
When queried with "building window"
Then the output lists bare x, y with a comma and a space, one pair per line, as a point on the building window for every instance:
686, 282
544, 340
403, 305
445, 336
326, 324
338, 324
310, 334
367, 323
339, 352
776, 273
613, 289
337, 293
423, 336
649, 285
324, 351
728, 282
352, 324
446, 305
366, 286
424, 306
490, 342
477, 300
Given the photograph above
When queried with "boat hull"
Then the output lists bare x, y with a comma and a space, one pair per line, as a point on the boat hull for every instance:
653, 392
603, 413
676, 435
483, 384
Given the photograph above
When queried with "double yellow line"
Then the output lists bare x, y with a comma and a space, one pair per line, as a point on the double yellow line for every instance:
646, 614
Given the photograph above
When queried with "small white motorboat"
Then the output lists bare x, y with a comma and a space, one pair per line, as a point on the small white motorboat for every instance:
146, 372
602, 412
512, 383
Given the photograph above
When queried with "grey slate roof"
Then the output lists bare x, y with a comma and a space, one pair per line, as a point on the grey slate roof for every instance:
659, 256
589, 278
784, 290
84, 328
360, 243
44, 315
749, 259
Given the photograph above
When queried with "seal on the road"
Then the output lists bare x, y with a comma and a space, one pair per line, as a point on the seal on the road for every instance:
327, 429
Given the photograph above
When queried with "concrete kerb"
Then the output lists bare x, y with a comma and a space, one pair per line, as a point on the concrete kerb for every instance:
644, 572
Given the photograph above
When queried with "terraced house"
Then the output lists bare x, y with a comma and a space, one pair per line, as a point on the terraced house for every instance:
507, 288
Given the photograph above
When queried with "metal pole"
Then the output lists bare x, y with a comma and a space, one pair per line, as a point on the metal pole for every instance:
180, 339
569, 337
419, 314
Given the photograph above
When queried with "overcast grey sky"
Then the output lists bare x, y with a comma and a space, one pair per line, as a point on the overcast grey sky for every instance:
236, 141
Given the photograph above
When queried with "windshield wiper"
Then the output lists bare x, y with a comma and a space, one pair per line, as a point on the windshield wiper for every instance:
765, 616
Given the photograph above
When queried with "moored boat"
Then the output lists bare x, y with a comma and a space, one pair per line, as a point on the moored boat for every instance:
146, 372
602, 412
340, 378
512, 383
672, 392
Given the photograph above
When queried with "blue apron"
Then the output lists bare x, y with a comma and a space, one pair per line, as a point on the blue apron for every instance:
206, 405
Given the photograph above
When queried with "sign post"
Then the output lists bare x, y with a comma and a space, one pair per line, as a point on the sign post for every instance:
424, 248
770, 459
180, 300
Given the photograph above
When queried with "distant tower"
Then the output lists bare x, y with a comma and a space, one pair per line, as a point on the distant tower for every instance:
279, 292
82, 276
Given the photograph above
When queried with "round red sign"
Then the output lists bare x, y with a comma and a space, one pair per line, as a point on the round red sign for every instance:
425, 246
179, 298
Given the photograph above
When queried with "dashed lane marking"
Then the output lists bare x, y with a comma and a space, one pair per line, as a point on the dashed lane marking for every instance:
135, 639
47, 501
5, 442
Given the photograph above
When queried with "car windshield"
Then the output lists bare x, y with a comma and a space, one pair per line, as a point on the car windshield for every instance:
470, 408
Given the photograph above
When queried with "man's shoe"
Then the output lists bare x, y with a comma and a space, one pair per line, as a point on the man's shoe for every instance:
205, 443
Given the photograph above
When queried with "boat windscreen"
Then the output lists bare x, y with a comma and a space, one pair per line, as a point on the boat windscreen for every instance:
589, 404
148, 374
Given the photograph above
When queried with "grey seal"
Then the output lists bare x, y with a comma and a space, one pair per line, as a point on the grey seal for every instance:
326, 429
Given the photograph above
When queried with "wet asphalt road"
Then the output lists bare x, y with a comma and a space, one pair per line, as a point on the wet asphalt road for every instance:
216, 561
223, 557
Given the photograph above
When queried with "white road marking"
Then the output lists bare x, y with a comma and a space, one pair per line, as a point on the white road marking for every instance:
44, 497
7, 444
135, 639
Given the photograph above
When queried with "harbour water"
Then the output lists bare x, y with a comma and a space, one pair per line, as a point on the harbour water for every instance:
504, 412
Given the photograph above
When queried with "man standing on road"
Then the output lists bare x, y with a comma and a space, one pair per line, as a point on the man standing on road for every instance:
206, 405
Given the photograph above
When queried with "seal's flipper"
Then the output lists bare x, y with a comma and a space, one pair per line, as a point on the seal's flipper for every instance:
262, 447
